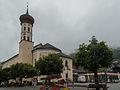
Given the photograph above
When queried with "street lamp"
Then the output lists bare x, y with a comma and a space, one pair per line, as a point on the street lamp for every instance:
105, 76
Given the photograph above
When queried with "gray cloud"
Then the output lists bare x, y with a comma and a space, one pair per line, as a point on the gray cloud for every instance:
63, 23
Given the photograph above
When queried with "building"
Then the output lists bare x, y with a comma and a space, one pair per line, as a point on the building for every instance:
28, 53
116, 68
102, 77
77, 72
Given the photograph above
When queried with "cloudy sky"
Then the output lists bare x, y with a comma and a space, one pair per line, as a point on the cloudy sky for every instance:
62, 23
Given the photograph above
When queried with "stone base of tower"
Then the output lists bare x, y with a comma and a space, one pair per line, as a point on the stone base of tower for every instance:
25, 52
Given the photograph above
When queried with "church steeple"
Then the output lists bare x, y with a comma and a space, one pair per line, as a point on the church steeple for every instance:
27, 22
26, 18
27, 9
26, 44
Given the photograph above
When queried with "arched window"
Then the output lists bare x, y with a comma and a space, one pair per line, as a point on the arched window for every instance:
24, 37
28, 38
66, 76
28, 29
66, 63
35, 60
24, 28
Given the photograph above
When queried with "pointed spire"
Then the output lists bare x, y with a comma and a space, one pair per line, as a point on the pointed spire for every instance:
27, 9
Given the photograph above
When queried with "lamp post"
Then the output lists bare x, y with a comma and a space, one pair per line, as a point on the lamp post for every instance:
105, 76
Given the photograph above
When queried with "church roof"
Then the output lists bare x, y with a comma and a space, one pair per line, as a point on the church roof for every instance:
51, 47
46, 46
9, 59
64, 55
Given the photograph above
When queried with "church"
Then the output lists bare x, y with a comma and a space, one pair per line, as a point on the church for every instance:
28, 53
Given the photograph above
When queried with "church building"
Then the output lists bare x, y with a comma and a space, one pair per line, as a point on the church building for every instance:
28, 53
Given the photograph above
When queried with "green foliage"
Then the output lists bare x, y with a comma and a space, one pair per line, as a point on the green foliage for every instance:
102, 69
51, 64
21, 70
5, 75
18, 70
93, 56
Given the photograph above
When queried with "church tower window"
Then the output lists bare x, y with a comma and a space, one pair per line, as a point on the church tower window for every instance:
28, 29
66, 63
28, 38
66, 76
24, 28
24, 38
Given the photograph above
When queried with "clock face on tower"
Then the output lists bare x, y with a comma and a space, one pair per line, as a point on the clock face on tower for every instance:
28, 34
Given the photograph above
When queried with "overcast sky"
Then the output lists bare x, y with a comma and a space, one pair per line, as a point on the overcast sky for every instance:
62, 23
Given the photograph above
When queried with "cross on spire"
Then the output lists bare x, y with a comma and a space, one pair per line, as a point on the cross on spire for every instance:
27, 9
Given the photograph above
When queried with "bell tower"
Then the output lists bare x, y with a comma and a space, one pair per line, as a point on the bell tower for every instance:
26, 44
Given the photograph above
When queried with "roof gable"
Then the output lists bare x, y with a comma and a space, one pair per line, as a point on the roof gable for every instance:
10, 59
64, 55
46, 46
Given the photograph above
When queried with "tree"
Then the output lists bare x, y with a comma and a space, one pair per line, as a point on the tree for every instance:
50, 65
116, 53
94, 56
102, 70
21, 70
5, 75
